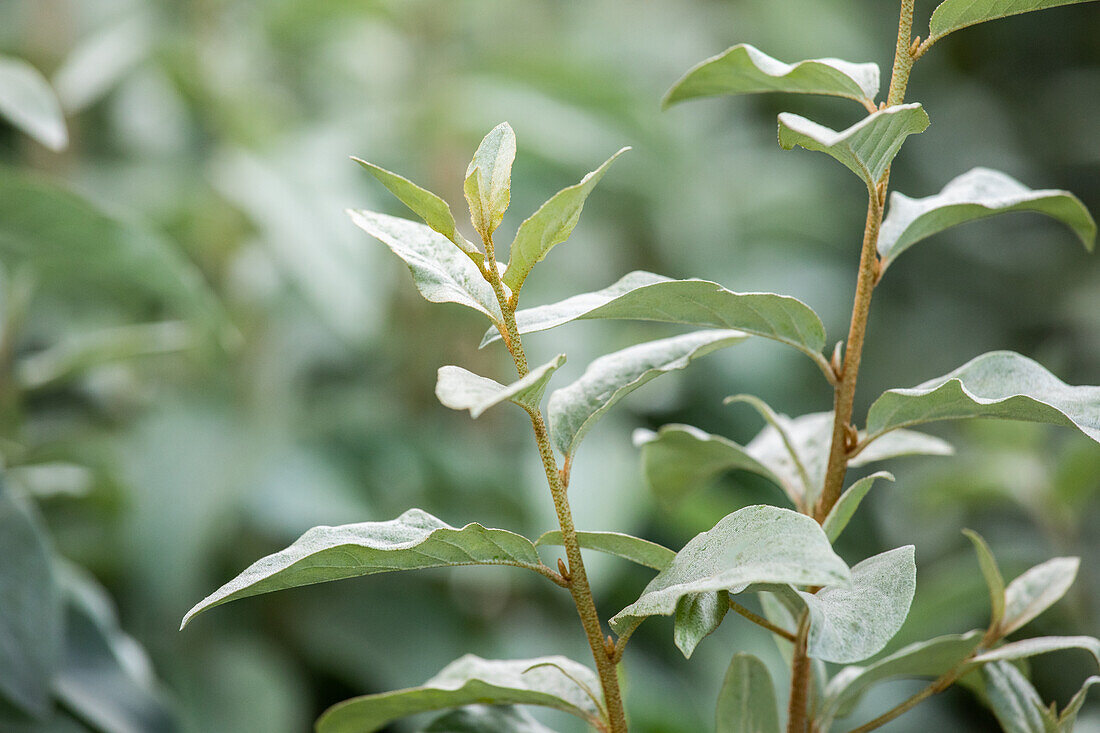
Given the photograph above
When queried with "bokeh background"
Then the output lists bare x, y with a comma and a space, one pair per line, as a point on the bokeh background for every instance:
202, 357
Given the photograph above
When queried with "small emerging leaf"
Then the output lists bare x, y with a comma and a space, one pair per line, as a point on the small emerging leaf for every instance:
441, 274
1000, 384
471, 680
746, 702
413, 541
993, 579
1036, 590
29, 103
744, 69
488, 183
757, 544
1068, 718
433, 210
574, 409
460, 389
550, 225
1014, 701
974, 195
854, 621
849, 501
952, 15
867, 147
634, 549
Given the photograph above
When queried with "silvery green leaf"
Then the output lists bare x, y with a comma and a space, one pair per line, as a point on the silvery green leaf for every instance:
414, 540
994, 581
460, 389
854, 621
545, 681
867, 147
31, 622
951, 15
441, 273
698, 615
849, 501
635, 549
550, 225
1014, 701
1068, 718
573, 410
644, 296
930, 658
433, 210
29, 103
974, 195
757, 544
1000, 384
1036, 590
1040, 645
488, 185
746, 701
487, 719
744, 69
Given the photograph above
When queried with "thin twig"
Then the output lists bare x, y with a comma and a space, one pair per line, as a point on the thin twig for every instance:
761, 621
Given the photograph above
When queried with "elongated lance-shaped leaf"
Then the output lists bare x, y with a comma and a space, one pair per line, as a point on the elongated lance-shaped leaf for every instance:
697, 616
488, 185
573, 410
746, 702
952, 15
849, 501
1014, 701
433, 210
644, 296
544, 681
1000, 384
634, 549
680, 459
930, 658
994, 581
1068, 717
487, 719
441, 273
1040, 645
460, 389
854, 621
413, 541
550, 225
745, 69
28, 102
867, 147
1036, 590
976, 194
757, 544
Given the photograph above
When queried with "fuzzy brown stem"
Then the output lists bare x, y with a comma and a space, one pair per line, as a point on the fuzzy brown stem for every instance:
797, 717
761, 621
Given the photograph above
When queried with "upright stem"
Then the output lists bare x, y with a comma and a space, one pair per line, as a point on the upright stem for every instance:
603, 654
797, 718
903, 57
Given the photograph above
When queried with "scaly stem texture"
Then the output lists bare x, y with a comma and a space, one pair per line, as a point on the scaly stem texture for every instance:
578, 578
797, 718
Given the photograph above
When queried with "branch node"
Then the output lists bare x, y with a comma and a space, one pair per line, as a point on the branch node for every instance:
564, 571
609, 647
837, 361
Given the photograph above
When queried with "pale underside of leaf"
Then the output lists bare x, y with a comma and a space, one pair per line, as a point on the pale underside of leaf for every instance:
1040, 645
1036, 590
550, 225
644, 296
460, 389
441, 273
489, 179
867, 147
746, 701
975, 195
1014, 701
849, 501
574, 409
29, 103
952, 15
757, 544
545, 681
1000, 384
744, 69
635, 549
487, 719
413, 541
852, 622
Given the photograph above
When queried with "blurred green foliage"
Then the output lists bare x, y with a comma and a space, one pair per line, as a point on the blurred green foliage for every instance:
202, 357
